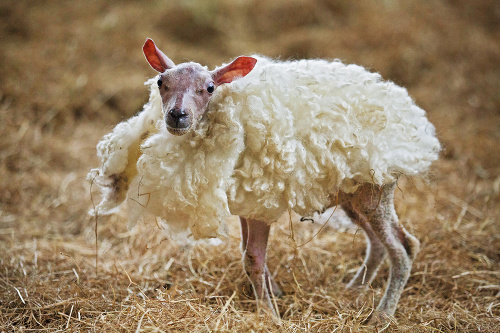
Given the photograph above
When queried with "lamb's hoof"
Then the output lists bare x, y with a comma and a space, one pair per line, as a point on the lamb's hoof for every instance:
355, 286
276, 291
380, 319
266, 307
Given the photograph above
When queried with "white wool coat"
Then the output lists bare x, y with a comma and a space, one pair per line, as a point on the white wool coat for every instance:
287, 136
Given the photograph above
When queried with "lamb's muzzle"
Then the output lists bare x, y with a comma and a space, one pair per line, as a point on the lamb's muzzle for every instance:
178, 121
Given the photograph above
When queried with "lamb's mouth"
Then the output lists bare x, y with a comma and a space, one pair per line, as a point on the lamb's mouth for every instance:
178, 131
178, 125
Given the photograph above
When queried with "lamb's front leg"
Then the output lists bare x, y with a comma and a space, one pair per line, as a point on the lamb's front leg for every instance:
255, 235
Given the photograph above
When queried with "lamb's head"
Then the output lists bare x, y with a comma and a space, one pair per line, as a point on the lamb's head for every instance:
186, 89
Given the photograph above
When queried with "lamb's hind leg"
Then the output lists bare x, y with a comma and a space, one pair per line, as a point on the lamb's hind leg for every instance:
255, 235
376, 204
375, 250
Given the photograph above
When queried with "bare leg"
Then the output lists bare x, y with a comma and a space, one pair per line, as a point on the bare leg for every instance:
376, 205
375, 251
271, 285
401, 247
254, 260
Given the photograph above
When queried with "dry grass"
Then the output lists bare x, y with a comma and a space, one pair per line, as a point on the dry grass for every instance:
69, 71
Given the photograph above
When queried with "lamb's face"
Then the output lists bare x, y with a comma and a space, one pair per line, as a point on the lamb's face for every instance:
185, 92
185, 89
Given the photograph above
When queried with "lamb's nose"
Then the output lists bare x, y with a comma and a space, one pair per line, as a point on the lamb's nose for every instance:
177, 113
178, 118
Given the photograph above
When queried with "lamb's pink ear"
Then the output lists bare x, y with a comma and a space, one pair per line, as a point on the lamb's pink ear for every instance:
235, 70
157, 59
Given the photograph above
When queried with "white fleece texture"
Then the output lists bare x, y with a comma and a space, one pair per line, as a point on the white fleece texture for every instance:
287, 136
115, 151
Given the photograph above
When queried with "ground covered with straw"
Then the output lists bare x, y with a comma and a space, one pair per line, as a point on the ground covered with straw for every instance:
69, 71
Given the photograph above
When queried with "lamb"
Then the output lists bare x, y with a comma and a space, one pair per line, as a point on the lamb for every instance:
257, 138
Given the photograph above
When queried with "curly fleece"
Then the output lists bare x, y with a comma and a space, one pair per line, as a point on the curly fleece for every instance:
287, 136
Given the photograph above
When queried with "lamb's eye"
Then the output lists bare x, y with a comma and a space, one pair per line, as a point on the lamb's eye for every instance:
159, 82
210, 88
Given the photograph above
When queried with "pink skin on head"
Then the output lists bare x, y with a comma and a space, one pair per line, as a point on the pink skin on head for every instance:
186, 89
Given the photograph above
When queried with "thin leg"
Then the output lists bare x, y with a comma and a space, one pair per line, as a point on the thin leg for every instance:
254, 260
375, 251
377, 206
271, 285
402, 248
